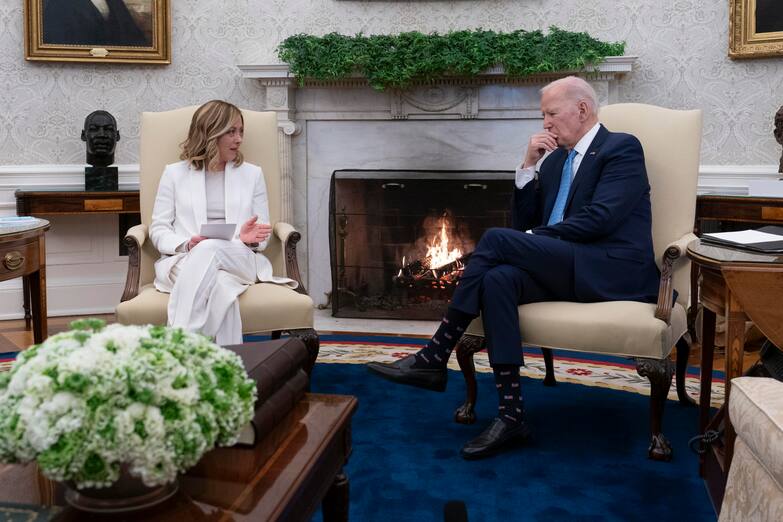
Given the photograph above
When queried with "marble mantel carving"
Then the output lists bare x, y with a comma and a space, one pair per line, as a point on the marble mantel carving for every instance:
452, 123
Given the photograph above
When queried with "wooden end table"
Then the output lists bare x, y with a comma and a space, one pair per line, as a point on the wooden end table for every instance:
23, 254
740, 286
283, 478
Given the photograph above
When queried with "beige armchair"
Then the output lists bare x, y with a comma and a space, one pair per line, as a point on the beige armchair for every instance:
646, 332
754, 488
264, 307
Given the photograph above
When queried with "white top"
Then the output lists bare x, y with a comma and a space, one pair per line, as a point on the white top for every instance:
216, 196
103, 7
524, 176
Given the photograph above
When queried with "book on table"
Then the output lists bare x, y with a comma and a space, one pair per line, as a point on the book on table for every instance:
277, 367
768, 240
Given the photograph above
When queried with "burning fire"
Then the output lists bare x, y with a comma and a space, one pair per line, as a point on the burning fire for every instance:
438, 252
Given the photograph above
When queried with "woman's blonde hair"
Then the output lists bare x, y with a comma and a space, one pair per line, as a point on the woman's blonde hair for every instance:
210, 122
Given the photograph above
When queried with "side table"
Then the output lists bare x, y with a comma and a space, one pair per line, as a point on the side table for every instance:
74, 200
301, 465
731, 209
23, 254
739, 285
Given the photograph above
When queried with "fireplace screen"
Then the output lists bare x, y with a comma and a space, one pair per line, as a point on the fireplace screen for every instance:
399, 239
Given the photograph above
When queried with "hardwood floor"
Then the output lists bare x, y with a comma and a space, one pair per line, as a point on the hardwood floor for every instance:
14, 337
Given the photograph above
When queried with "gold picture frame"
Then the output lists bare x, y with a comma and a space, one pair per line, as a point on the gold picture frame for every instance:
114, 31
755, 28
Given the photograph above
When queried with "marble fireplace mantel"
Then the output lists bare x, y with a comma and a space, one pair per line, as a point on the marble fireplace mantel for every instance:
451, 123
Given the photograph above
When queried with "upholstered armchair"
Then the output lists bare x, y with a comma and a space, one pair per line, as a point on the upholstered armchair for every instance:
264, 307
645, 332
754, 488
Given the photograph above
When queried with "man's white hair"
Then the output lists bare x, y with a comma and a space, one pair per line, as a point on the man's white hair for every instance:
576, 89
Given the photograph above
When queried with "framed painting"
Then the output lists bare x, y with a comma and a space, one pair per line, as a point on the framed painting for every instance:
135, 31
755, 28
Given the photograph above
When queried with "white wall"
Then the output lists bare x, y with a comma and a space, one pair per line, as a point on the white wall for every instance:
681, 44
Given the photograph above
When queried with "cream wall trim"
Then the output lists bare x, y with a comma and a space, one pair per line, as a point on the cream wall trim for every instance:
731, 178
95, 299
47, 175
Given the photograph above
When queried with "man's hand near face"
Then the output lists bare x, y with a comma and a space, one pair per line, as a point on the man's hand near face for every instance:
539, 144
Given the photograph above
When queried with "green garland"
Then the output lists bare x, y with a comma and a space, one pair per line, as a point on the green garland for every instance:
398, 60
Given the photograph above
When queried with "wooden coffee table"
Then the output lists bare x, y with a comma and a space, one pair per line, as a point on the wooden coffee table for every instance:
286, 476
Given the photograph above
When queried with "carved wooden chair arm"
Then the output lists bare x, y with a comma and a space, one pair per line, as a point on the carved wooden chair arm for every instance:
674, 251
134, 239
290, 237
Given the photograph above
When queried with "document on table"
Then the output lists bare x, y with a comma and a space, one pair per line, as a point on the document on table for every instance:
765, 239
218, 230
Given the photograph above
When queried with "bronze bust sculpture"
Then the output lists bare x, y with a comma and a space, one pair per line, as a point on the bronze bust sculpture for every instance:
779, 134
101, 135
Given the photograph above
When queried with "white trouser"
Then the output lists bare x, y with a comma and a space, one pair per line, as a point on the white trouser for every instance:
207, 283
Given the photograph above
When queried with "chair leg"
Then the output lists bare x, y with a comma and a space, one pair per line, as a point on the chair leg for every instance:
659, 372
683, 353
466, 347
549, 378
310, 338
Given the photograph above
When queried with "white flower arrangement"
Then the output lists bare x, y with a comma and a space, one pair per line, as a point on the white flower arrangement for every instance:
87, 401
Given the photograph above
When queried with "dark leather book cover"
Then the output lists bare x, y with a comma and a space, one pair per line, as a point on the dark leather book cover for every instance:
270, 426
271, 363
270, 412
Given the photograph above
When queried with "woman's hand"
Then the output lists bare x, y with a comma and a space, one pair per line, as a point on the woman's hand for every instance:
195, 240
253, 232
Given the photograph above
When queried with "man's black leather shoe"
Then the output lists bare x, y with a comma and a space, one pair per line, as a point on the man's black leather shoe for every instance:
493, 439
402, 371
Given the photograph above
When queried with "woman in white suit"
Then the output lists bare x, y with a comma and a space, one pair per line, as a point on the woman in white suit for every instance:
211, 184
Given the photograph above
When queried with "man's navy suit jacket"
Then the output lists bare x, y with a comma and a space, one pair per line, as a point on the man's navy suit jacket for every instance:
607, 218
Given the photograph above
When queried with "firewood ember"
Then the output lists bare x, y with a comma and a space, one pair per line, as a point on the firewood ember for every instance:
417, 274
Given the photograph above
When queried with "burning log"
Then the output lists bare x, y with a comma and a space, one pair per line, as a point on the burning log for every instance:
418, 273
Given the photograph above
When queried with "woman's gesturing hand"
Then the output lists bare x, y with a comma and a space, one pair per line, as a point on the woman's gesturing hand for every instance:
253, 232
195, 240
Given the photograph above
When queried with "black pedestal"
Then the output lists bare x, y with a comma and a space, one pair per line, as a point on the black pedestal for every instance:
100, 178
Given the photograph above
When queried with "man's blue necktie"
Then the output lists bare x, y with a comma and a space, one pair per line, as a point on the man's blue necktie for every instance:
562, 195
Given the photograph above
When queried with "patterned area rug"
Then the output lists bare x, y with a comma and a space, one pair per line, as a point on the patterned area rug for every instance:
586, 369
579, 368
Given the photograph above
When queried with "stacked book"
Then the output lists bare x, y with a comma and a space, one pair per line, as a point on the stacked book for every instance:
278, 369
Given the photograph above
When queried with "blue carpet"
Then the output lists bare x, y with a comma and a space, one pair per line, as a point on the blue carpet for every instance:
587, 461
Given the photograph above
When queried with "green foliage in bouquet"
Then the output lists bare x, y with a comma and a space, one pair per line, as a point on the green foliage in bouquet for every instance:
86, 401
398, 60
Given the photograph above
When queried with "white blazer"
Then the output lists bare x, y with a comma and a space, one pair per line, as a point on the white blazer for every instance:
181, 208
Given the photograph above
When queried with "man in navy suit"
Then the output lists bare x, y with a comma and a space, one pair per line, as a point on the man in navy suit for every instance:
582, 232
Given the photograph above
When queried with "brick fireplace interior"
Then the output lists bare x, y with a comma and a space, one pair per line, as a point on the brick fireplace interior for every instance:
399, 238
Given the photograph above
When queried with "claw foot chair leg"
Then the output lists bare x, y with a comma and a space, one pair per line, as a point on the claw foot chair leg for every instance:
683, 353
659, 372
466, 347
549, 378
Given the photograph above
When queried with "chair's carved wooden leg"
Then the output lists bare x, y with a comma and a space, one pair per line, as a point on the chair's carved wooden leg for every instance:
310, 338
659, 372
466, 347
683, 353
549, 378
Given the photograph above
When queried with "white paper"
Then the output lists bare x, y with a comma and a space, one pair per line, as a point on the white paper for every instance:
746, 237
218, 230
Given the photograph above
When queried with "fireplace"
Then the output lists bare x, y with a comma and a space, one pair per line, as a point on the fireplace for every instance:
399, 239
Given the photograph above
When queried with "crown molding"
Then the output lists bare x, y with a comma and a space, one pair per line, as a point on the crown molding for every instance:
279, 75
